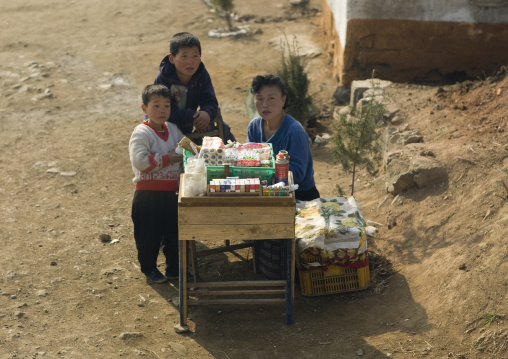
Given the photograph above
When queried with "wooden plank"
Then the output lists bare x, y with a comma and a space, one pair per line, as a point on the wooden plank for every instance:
232, 194
226, 248
241, 201
240, 283
239, 292
220, 232
237, 301
237, 215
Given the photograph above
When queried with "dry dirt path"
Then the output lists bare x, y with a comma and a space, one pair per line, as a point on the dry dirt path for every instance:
71, 73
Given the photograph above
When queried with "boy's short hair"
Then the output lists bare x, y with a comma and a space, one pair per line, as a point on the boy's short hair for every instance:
269, 80
155, 89
183, 39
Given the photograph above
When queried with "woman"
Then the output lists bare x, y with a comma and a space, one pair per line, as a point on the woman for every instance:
284, 133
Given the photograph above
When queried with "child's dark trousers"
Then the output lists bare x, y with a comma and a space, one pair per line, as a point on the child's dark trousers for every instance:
155, 219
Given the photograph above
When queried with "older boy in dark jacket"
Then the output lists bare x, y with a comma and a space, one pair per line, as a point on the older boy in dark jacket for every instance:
189, 82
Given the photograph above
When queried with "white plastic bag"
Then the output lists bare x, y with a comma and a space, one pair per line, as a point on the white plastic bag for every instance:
195, 177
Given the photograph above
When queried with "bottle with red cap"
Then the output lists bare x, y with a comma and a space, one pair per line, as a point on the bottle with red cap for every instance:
282, 168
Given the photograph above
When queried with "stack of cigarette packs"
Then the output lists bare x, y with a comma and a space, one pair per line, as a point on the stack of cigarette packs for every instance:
235, 185
271, 191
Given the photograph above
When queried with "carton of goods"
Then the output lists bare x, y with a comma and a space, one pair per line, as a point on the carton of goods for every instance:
250, 160
331, 242
212, 151
189, 146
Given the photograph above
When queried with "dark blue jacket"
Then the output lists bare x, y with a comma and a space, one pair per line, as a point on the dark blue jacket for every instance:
200, 93
291, 136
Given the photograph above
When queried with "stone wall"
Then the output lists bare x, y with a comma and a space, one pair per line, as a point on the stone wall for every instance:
437, 41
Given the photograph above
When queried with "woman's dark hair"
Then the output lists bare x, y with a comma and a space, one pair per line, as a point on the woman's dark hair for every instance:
268, 80
151, 90
183, 39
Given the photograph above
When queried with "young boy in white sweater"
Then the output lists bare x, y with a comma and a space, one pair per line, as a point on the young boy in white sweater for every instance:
156, 169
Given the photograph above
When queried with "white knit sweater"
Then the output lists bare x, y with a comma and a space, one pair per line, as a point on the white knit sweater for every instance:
149, 154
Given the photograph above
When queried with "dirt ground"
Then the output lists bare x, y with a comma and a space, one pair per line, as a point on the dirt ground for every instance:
71, 74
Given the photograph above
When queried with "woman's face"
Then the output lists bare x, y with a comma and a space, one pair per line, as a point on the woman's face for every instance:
269, 102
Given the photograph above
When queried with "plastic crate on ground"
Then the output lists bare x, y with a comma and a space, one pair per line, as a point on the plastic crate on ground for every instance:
331, 279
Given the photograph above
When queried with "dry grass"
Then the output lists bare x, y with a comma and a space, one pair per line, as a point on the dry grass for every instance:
493, 343
381, 269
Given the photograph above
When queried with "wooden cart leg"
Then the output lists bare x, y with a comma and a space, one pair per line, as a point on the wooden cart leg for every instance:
182, 327
290, 277
194, 260
293, 268
255, 254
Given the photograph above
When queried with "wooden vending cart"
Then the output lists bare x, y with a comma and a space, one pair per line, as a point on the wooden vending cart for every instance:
237, 217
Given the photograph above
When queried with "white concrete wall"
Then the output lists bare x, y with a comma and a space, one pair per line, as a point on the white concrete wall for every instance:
463, 11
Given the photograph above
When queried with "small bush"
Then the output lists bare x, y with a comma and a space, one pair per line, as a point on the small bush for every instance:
224, 8
355, 143
292, 72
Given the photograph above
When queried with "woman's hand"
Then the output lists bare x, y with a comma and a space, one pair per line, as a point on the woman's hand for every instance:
201, 121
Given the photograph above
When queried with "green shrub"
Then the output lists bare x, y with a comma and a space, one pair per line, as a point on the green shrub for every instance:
292, 72
224, 8
356, 141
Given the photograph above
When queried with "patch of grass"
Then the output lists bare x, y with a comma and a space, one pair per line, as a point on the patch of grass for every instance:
340, 191
491, 317
381, 270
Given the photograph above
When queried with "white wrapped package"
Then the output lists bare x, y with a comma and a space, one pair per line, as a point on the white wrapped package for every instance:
212, 151
214, 143
330, 224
